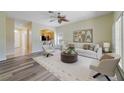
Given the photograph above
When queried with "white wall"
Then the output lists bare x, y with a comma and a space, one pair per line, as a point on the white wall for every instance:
2, 36
24, 39
102, 28
47, 27
36, 43
17, 39
10, 27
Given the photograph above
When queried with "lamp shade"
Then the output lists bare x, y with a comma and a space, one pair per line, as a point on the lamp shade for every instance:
106, 44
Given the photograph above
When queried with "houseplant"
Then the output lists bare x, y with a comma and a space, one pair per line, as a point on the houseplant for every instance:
69, 55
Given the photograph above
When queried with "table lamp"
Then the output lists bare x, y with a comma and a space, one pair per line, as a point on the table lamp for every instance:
106, 46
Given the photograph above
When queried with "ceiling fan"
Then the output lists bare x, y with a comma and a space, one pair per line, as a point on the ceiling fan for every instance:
57, 16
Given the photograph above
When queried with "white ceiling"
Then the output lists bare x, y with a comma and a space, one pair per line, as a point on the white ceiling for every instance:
43, 17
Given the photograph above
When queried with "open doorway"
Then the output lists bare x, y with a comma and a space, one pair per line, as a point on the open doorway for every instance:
47, 37
22, 42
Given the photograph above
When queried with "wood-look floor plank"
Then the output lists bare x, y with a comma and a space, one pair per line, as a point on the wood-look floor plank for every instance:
24, 68
52, 78
15, 64
37, 76
14, 67
23, 74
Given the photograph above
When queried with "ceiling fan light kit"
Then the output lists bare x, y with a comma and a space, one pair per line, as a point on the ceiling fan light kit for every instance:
60, 18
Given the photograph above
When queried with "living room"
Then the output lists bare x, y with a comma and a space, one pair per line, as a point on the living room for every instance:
61, 46
81, 30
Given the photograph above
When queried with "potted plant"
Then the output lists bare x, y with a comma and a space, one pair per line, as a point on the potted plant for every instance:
69, 55
70, 49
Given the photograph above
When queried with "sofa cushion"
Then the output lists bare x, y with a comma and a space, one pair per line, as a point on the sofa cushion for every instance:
86, 46
90, 52
79, 50
87, 53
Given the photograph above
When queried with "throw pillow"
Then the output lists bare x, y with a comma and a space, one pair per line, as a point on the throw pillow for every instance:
96, 47
91, 47
105, 56
86, 46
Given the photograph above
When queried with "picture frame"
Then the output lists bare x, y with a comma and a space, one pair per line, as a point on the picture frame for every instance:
83, 36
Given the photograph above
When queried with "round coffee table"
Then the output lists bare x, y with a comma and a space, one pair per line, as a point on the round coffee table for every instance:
69, 58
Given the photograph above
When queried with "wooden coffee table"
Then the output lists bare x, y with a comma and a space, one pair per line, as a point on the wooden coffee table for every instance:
69, 58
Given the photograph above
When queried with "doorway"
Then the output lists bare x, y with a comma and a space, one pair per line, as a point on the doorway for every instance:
22, 42
47, 37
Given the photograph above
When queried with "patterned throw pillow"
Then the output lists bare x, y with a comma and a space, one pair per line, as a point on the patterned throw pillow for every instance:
86, 46
91, 47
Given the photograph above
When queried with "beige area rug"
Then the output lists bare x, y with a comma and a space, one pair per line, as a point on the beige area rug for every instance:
69, 72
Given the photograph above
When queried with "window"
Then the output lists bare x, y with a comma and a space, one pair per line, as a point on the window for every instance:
123, 40
59, 38
119, 39
118, 36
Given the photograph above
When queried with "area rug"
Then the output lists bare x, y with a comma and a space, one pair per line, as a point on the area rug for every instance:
78, 71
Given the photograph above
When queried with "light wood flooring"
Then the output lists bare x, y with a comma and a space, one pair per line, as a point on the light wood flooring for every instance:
24, 68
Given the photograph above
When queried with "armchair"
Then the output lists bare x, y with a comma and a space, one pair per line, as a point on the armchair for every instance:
106, 67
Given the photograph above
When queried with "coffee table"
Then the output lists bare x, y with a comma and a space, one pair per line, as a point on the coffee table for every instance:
69, 58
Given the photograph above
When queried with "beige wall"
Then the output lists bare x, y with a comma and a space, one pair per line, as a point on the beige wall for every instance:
117, 15
102, 28
2, 36
10, 27
28, 26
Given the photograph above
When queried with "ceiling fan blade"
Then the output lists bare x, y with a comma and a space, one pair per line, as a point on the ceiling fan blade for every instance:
61, 17
53, 20
57, 16
65, 20
50, 12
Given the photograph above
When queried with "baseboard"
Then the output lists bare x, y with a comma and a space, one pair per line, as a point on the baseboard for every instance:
3, 58
37, 51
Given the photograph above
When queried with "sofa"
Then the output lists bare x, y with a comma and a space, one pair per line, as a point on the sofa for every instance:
89, 50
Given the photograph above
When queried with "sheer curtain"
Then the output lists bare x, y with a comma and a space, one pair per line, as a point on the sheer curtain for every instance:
123, 41
119, 40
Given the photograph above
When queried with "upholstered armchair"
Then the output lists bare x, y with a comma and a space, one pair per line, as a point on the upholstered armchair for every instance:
106, 67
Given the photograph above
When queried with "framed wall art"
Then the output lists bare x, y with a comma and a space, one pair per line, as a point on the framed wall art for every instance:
83, 36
